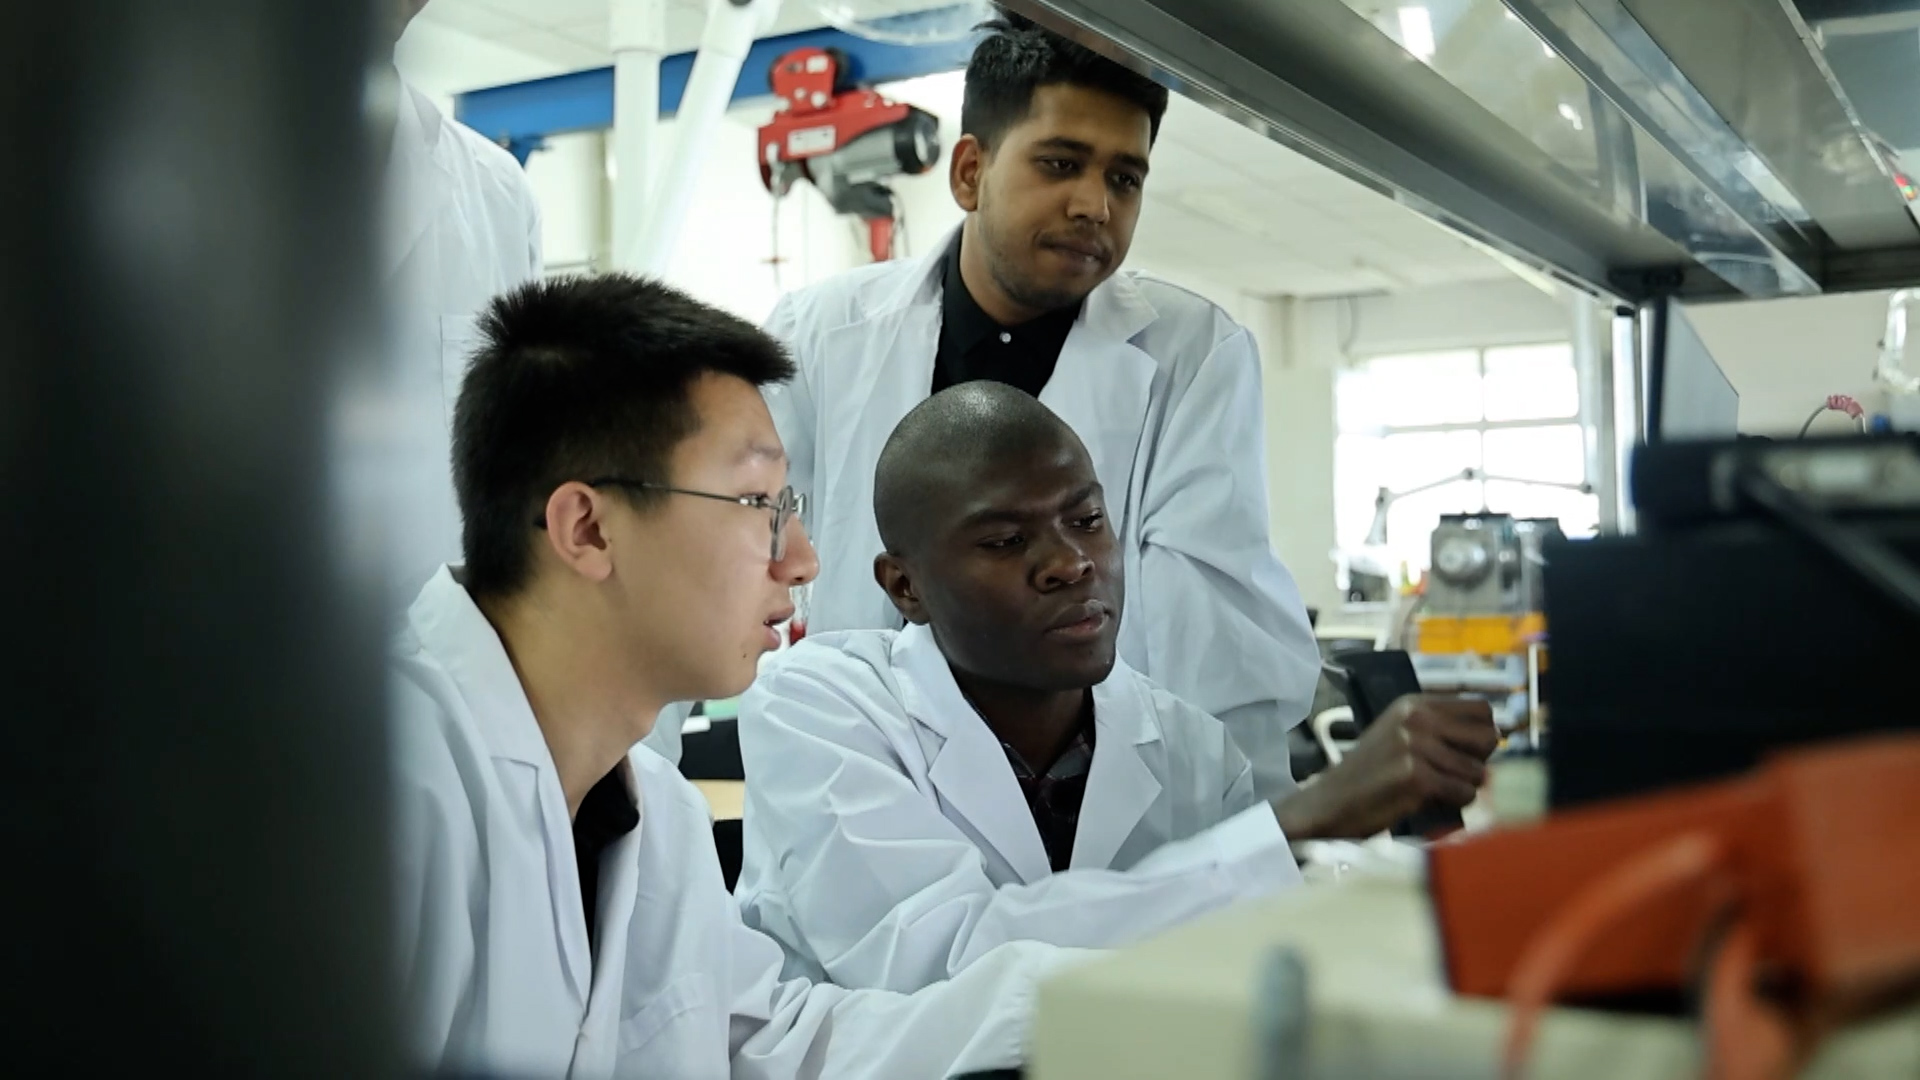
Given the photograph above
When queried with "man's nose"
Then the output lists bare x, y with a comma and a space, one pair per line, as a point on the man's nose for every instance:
799, 564
1090, 199
1063, 562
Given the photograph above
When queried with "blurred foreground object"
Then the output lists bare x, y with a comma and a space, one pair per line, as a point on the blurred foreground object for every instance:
194, 819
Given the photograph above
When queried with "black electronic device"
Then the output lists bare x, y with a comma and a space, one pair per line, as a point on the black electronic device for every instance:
1373, 681
1772, 599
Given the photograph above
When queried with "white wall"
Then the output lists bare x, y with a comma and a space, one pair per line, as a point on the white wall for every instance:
442, 62
1786, 356
1299, 359
569, 180
1470, 315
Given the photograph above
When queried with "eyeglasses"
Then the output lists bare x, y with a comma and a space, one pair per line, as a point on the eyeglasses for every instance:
785, 506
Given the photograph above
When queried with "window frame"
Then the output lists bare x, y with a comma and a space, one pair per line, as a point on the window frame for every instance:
1481, 427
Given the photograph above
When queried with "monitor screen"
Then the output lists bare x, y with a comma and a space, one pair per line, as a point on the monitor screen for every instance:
1689, 397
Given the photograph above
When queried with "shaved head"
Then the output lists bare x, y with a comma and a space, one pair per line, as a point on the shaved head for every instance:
997, 539
950, 443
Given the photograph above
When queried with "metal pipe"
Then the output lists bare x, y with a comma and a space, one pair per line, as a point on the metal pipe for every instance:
639, 41
1632, 352
731, 27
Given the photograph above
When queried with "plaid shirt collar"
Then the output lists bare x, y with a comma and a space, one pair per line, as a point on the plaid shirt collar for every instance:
1054, 799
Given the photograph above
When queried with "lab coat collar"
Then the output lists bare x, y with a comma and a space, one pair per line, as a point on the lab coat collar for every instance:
918, 280
454, 632
1121, 787
970, 768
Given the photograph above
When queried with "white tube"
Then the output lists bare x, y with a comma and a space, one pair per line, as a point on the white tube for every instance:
639, 33
730, 31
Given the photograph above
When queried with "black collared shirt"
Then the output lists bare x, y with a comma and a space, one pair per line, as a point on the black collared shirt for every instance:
606, 815
973, 346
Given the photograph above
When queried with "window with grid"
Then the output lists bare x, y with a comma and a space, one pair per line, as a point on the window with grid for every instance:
1413, 420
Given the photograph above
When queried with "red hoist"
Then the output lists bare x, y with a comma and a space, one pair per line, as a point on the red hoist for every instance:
845, 138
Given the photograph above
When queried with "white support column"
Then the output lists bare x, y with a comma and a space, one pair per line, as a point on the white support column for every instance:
639, 36
732, 26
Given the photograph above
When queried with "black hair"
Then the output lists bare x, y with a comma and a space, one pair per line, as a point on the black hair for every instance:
1018, 57
577, 378
945, 442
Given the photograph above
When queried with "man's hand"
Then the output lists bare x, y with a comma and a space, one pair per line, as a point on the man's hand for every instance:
1424, 749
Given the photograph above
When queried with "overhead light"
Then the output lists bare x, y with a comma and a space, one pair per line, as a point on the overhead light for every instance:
1416, 31
1572, 116
1549, 50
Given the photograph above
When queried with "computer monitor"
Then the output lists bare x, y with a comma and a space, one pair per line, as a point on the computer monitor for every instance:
1688, 396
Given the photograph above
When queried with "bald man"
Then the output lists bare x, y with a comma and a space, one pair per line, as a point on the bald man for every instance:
994, 772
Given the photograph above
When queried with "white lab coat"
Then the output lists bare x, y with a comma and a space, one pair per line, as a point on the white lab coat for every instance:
498, 975
888, 843
1164, 389
461, 228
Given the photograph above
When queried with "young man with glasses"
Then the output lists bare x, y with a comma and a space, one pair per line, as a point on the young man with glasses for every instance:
561, 905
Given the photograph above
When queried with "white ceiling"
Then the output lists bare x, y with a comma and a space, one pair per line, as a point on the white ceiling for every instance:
1226, 204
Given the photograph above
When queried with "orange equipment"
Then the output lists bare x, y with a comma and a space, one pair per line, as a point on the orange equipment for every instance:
1789, 898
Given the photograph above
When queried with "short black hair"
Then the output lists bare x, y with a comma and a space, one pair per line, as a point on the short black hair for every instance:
1018, 57
948, 440
577, 378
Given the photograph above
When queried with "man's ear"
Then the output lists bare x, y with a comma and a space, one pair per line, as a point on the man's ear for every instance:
897, 582
964, 172
576, 533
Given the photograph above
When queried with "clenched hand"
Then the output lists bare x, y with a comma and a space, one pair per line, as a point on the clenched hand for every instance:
1425, 749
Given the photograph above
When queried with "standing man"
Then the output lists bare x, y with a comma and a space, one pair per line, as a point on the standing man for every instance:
1162, 386
461, 227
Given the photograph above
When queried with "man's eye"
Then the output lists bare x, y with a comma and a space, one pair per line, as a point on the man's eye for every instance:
1003, 543
1057, 165
1091, 523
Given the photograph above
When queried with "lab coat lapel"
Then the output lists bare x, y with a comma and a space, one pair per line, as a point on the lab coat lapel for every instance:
1103, 385
1121, 788
970, 770
473, 655
420, 177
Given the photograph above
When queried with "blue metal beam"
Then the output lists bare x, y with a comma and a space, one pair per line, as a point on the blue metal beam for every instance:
521, 116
